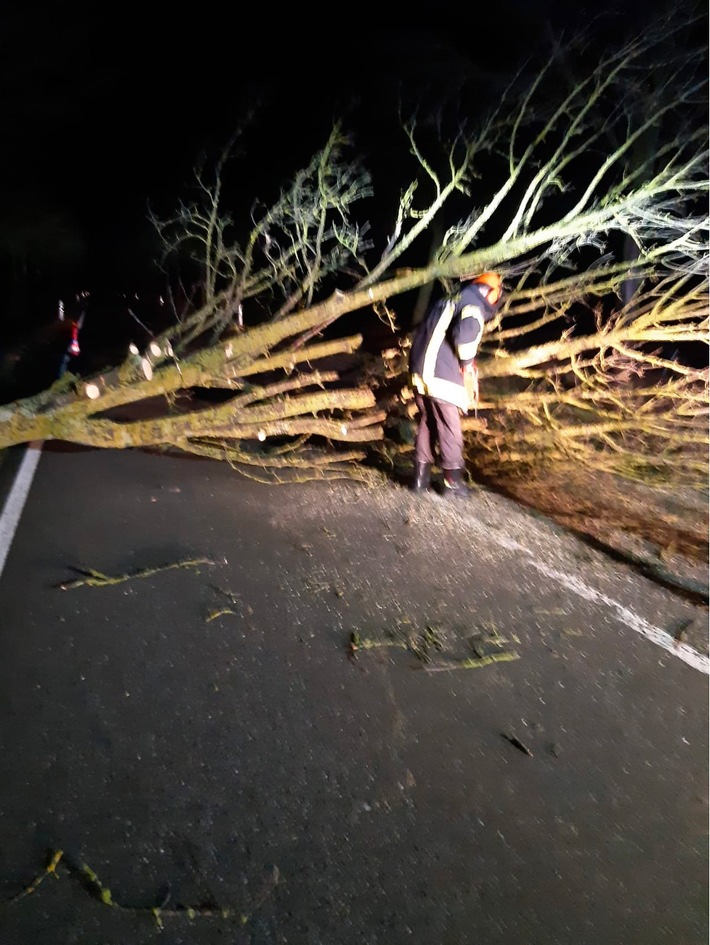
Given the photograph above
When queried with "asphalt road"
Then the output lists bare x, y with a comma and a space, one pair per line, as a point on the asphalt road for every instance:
198, 733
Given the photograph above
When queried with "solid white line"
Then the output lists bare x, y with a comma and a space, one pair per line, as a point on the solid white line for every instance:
16, 499
660, 637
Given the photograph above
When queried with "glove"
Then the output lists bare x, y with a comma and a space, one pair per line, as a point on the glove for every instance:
470, 380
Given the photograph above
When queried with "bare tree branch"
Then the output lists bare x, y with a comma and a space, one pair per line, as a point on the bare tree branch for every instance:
560, 178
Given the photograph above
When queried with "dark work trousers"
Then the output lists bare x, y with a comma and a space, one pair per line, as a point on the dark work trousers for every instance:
439, 425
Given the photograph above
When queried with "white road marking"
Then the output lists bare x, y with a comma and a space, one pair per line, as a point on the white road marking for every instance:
660, 637
16, 499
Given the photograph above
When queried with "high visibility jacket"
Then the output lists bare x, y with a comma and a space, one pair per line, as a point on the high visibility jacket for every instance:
447, 341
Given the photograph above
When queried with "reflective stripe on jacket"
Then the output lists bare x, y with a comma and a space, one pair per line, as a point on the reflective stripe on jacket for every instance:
446, 341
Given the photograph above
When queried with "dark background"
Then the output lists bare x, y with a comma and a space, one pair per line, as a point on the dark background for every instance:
108, 109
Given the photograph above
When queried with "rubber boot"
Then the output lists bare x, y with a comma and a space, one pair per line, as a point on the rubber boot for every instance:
422, 477
454, 484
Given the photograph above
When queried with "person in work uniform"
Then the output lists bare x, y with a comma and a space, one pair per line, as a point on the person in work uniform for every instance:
441, 362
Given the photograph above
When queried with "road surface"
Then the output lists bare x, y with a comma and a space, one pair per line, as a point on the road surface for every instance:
321, 714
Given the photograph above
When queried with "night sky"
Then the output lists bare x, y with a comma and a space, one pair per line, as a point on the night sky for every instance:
108, 108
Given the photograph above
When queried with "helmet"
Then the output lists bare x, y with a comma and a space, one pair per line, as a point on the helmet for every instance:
494, 283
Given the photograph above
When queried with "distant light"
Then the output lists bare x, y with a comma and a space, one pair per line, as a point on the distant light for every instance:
155, 349
147, 368
92, 391
133, 348
261, 435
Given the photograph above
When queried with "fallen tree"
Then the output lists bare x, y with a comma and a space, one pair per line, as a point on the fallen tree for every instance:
568, 370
